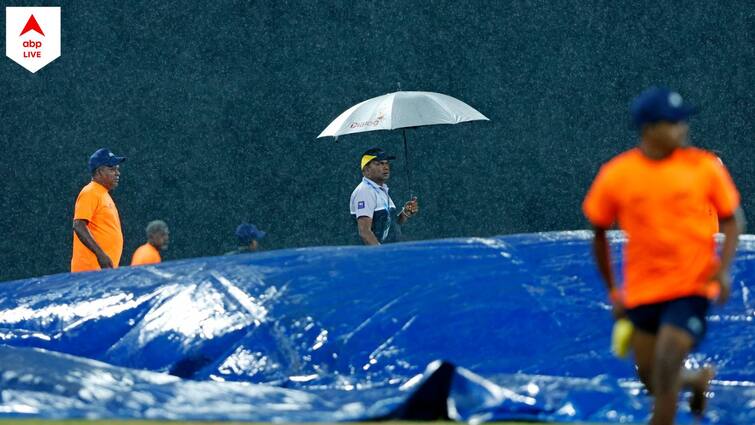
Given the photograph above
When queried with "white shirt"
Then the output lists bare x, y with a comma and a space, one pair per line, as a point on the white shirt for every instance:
369, 197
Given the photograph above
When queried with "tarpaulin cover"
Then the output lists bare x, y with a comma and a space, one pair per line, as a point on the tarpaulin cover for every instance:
513, 327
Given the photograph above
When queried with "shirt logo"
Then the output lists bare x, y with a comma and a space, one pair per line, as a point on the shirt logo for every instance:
695, 325
360, 205
32, 36
675, 99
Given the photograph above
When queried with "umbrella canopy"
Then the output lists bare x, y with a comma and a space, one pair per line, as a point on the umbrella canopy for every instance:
401, 109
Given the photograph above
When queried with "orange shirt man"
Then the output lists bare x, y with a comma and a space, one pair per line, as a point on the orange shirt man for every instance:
158, 237
98, 238
660, 194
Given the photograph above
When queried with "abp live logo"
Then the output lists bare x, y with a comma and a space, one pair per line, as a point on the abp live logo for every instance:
32, 35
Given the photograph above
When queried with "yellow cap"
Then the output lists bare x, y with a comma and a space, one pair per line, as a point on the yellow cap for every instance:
366, 159
621, 337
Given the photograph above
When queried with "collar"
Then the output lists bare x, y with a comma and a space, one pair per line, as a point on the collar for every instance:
370, 182
99, 187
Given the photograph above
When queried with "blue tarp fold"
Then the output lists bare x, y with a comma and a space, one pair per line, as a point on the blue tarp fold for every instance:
479, 329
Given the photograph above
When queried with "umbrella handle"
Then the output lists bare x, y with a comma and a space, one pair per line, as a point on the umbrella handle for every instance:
408, 168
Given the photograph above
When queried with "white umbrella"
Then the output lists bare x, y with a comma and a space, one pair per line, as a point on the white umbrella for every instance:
401, 109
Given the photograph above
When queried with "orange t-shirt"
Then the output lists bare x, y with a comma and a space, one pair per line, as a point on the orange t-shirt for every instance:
95, 205
663, 207
713, 219
146, 254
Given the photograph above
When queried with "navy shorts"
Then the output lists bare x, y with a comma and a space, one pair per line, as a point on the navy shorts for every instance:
686, 313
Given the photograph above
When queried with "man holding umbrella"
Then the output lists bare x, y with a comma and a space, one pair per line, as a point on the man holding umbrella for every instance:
372, 207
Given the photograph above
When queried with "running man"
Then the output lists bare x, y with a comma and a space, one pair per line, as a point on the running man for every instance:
659, 193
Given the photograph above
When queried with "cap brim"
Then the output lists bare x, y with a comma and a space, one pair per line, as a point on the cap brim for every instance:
684, 113
112, 162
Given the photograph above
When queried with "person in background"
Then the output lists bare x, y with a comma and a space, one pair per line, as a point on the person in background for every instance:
97, 234
659, 193
248, 236
370, 205
158, 237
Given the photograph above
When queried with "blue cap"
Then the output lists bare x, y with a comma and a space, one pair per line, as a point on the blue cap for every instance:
659, 104
103, 157
248, 232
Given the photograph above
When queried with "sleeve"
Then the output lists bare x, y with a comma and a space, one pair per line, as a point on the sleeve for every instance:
86, 204
136, 258
600, 206
723, 193
364, 204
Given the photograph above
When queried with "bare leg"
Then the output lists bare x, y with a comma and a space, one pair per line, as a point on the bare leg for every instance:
643, 346
698, 381
672, 346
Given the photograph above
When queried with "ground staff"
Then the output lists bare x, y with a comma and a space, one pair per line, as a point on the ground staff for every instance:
98, 239
158, 237
660, 194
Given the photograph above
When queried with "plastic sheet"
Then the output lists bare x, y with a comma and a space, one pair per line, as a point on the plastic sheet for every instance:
350, 333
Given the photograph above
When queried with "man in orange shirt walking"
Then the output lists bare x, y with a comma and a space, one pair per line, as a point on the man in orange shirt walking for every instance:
97, 238
660, 193
158, 237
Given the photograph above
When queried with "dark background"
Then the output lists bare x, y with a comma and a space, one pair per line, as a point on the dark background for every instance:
217, 105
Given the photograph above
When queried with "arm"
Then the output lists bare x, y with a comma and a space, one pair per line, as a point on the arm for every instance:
731, 228
364, 225
410, 208
602, 253
82, 232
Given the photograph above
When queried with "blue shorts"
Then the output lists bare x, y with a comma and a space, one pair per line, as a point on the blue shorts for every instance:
686, 313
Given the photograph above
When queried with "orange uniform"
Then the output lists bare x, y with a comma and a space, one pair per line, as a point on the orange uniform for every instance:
146, 254
663, 207
713, 220
95, 205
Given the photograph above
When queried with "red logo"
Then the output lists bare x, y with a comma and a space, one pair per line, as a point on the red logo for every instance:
25, 41
375, 123
32, 24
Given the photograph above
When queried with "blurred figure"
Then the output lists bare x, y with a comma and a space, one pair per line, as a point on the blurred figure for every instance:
658, 193
248, 236
372, 208
98, 238
158, 237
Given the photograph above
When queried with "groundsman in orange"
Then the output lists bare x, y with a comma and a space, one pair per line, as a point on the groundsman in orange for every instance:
660, 194
158, 237
97, 234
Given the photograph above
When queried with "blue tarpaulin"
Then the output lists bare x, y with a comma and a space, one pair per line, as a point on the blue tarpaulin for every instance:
476, 329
